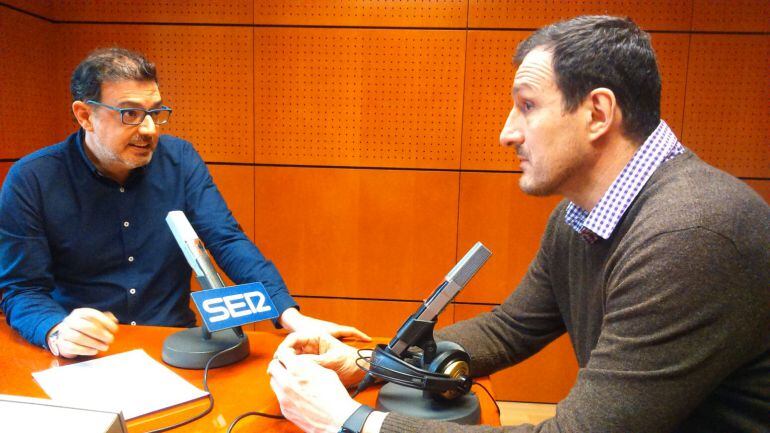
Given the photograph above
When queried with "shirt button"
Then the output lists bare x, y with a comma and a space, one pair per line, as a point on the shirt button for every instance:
133, 323
130, 258
125, 224
122, 189
132, 291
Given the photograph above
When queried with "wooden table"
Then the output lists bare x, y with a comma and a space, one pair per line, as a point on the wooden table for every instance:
237, 388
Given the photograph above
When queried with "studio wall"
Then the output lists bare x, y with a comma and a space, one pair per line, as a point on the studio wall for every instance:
357, 141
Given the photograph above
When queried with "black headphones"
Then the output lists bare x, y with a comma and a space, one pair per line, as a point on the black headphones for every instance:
444, 378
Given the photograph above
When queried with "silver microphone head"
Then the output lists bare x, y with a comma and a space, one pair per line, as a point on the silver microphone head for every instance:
467, 267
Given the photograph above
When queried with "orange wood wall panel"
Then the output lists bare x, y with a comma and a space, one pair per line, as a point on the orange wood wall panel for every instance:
350, 97
205, 75
4, 167
24, 86
166, 11
402, 13
727, 113
236, 184
546, 377
493, 210
382, 234
731, 15
376, 318
649, 14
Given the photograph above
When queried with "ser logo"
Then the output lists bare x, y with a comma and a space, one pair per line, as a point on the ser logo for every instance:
234, 306
237, 305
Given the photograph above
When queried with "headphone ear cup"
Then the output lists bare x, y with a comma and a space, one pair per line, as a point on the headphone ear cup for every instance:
453, 361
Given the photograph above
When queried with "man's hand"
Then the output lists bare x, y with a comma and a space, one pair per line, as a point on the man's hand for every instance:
84, 332
326, 351
295, 321
310, 396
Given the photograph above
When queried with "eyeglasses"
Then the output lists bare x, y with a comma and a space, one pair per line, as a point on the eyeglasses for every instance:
135, 116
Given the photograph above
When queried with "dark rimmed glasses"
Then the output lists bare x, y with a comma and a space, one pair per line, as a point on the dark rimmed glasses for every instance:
135, 116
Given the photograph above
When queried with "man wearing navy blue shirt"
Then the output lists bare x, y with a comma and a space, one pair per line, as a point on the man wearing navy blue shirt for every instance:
83, 239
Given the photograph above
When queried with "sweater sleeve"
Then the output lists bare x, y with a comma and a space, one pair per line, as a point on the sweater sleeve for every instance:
681, 315
526, 322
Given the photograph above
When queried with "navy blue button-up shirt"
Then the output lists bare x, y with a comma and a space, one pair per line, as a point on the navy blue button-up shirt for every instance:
70, 238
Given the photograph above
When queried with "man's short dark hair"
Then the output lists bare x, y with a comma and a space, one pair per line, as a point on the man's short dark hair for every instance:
603, 51
108, 64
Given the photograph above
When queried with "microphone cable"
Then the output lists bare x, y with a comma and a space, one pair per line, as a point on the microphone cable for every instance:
248, 414
211, 401
489, 394
205, 388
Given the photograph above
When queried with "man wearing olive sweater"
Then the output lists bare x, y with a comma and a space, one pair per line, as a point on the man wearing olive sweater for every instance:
657, 265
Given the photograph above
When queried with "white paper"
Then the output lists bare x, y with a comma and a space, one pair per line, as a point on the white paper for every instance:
131, 381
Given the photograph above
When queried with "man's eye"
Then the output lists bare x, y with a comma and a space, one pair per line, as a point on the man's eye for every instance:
132, 114
528, 105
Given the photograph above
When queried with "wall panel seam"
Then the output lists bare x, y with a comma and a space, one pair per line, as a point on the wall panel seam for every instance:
465, 28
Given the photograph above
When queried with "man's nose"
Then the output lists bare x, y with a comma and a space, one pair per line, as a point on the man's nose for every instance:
148, 126
512, 134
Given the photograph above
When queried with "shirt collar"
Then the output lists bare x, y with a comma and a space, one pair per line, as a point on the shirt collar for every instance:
602, 220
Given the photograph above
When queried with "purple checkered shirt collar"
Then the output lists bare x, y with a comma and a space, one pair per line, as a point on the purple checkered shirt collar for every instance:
601, 221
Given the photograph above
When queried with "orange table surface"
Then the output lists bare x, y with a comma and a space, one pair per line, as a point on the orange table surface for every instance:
238, 388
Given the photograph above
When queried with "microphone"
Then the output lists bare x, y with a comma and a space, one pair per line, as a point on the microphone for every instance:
197, 256
421, 323
194, 250
192, 348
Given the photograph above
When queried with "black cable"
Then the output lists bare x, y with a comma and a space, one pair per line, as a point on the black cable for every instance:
248, 414
489, 394
205, 388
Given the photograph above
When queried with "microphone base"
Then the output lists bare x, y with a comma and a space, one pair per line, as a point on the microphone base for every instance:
188, 349
411, 402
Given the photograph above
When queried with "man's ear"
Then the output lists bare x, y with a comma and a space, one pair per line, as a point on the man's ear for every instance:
604, 112
82, 113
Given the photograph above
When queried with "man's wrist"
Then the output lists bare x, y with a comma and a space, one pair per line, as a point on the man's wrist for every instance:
355, 422
290, 318
374, 422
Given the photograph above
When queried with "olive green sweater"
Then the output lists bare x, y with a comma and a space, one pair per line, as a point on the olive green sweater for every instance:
669, 318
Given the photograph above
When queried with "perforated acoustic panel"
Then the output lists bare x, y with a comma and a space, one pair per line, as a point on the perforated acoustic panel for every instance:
530, 14
385, 98
398, 13
205, 75
25, 89
39, 7
489, 78
157, 11
727, 114
672, 51
731, 15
